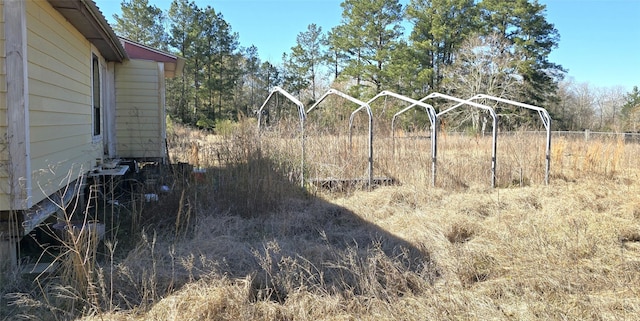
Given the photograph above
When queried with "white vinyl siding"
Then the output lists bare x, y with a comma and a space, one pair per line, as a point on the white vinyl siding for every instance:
139, 111
60, 105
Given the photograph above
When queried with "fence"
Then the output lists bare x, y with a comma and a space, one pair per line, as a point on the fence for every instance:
585, 135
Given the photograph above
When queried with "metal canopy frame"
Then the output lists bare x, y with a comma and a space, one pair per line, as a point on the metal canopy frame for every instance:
362, 105
495, 125
433, 118
546, 122
431, 112
301, 114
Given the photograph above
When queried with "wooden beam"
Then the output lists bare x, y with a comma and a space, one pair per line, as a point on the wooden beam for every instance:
47, 207
162, 113
17, 103
110, 110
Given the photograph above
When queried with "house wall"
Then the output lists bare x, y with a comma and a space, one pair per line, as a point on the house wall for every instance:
60, 103
140, 109
4, 147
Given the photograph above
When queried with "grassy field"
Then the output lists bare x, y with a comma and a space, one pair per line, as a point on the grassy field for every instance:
245, 241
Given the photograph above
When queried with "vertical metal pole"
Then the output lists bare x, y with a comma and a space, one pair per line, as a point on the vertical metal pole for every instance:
434, 148
370, 149
350, 134
393, 138
544, 116
548, 156
302, 114
494, 152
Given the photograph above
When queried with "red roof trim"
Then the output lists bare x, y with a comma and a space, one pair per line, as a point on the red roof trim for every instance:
138, 51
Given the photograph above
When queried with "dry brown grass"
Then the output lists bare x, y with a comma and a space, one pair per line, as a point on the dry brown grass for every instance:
564, 252
458, 251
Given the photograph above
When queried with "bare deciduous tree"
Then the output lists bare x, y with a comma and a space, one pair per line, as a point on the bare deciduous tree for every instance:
582, 106
584, 97
609, 101
484, 65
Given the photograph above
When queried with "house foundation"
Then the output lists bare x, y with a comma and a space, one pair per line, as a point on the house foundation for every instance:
8, 255
14, 225
10, 234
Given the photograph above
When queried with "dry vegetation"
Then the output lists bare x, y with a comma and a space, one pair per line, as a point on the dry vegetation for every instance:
244, 241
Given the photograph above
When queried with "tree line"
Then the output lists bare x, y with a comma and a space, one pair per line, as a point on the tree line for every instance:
457, 47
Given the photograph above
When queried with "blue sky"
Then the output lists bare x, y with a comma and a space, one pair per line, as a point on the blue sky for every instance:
600, 39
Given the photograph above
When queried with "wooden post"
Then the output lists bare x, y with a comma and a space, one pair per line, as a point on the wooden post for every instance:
17, 103
8, 255
10, 234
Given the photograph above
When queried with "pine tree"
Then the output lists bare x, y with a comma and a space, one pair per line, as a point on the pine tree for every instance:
524, 24
335, 57
439, 29
270, 76
141, 22
369, 32
252, 75
227, 62
205, 40
311, 43
183, 19
219, 46
295, 73
305, 60
631, 109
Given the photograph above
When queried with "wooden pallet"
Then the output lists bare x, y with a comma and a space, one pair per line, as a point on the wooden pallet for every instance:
343, 184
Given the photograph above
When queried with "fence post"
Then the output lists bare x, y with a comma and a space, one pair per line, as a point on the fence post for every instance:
586, 135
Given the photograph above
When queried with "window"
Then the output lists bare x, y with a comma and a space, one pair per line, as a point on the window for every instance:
95, 92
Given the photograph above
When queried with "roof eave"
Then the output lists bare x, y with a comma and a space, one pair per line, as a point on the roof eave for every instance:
85, 16
174, 64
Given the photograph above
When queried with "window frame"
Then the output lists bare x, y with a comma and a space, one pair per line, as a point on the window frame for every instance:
96, 97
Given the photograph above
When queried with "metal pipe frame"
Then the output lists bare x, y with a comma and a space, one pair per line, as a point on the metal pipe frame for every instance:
495, 125
362, 105
301, 114
431, 112
544, 116
546, 122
